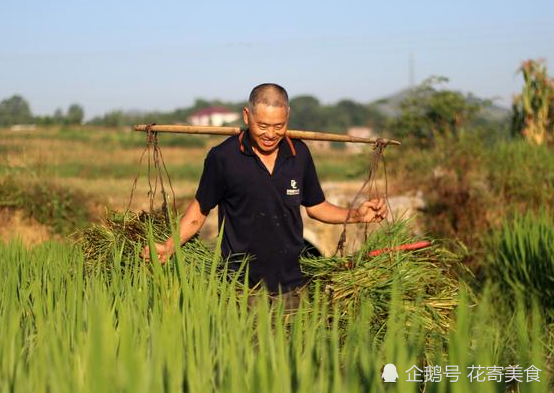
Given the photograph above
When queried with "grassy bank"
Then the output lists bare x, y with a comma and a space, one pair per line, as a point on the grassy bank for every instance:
62, 209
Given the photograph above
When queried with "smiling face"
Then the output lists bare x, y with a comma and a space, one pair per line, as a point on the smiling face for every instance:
267, 125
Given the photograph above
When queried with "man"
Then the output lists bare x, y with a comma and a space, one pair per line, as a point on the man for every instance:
258, 180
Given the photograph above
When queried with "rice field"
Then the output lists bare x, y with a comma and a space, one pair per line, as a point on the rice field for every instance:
185, 327
91, 316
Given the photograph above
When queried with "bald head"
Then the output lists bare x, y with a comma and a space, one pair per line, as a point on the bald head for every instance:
269, 94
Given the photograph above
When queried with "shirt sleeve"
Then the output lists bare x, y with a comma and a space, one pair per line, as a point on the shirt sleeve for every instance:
312, 194
212, 186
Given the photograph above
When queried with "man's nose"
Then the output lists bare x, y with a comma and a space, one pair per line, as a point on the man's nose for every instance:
271, 132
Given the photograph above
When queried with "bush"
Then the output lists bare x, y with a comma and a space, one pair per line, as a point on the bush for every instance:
470, 185
62, 209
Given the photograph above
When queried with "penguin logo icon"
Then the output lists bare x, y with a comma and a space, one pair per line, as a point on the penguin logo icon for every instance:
389, 373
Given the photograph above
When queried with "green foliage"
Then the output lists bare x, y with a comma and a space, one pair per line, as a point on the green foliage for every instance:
183, 140
470, 184
453, 176
75, 114
121, 232
114, 118
521, 258
62, 209
101, 170
427, 280
335, 167
73, 117
309, 114
15, 110
181, 327
533, 109
522, 175
306, 113
429, 276
429, 112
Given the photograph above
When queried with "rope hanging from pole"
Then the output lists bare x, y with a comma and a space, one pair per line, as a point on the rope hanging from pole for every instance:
370, 183
157, 165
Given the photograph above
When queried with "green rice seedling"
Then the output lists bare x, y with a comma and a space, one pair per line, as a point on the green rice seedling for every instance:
521, 258
428, 279
521, 175
122, 232
180, 327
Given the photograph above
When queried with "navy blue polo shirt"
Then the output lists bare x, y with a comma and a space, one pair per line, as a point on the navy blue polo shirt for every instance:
261, 211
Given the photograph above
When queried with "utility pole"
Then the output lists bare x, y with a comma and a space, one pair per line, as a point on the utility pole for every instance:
411, 70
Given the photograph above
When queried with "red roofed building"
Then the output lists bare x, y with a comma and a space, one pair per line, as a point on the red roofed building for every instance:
213, 116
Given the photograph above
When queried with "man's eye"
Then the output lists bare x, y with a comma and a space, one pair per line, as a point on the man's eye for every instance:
262, 126
278, 127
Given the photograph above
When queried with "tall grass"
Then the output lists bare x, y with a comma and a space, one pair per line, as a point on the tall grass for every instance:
183, 328
521, 257
522, 175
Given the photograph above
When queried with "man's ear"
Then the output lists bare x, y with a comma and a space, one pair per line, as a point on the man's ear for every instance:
245, 113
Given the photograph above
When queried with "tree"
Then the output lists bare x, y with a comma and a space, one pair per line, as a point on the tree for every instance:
114, 119
306, 113
59, 116
375, 118
346, 114
427, 112
15, 110
75, 114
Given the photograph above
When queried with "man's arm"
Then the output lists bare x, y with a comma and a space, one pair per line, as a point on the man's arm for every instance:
373, 210
318, 208
190, 224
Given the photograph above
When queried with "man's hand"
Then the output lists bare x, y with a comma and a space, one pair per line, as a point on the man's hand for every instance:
374, 210
190, 224
163, 250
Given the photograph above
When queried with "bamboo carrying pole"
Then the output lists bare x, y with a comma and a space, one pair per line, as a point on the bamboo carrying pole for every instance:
296, 134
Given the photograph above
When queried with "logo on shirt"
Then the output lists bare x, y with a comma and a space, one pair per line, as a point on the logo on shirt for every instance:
293, 190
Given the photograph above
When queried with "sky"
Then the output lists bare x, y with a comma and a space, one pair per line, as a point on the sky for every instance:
146, 55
